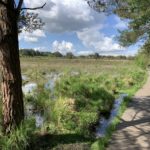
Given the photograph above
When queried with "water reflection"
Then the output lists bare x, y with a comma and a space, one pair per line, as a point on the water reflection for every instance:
32, 112
104, 123
29, 87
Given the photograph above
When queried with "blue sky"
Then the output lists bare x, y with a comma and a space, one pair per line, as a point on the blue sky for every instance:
72, 26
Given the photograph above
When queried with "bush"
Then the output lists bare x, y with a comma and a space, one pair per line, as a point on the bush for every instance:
142, 60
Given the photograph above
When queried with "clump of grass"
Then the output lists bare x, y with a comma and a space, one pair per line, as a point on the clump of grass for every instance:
19, 138
88, 93
71, 120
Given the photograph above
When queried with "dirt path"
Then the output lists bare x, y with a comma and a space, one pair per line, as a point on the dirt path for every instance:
133, 133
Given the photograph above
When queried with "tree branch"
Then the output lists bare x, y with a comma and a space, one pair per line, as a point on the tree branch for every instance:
19, 5
40, 7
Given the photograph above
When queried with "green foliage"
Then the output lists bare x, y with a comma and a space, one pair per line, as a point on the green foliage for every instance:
69, 55
143, 57
137, 14
129, 37
19, 138
68, 120
87, 92
87, 97
32, 53
39, 98
142, 60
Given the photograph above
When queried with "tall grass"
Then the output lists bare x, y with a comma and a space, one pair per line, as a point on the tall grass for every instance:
19, 138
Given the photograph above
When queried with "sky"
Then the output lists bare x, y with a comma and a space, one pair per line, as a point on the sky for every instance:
72, 26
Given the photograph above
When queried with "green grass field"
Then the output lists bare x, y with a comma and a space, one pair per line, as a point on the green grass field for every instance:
35, 65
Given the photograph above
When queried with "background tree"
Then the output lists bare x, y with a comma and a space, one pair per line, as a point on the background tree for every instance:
135, 12
69, 55
96, 55
13, 108
57, 54
29, 22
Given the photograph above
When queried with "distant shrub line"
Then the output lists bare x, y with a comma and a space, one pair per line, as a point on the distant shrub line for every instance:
70, 55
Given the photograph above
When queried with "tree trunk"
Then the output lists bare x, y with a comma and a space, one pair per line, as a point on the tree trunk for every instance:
13, 109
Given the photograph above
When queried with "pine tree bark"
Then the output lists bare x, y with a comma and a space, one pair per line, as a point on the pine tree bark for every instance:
12, 98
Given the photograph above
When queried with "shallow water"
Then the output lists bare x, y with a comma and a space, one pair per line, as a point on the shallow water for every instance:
50, 85
31, 112
39, 119
104, 123
29, 87
24, 77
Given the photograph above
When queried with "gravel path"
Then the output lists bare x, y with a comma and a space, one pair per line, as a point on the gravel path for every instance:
133, 133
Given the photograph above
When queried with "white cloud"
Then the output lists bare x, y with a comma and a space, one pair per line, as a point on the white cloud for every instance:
63, 47
92, 37
75, 16
84, 53
41, 49
66, 15
120, 24
31, 36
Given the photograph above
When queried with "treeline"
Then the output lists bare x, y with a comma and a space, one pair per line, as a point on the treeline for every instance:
31, 52
69, 55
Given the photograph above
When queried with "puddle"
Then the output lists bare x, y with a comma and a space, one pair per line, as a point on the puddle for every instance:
50, 85
104, 123
39, 119
29, 87
24, 77
32, 112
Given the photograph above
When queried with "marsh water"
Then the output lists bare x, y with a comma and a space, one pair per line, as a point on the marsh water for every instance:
105, 122
29, 89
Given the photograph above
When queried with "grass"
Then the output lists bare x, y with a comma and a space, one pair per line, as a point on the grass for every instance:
19, 138
35, 67
86, 90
